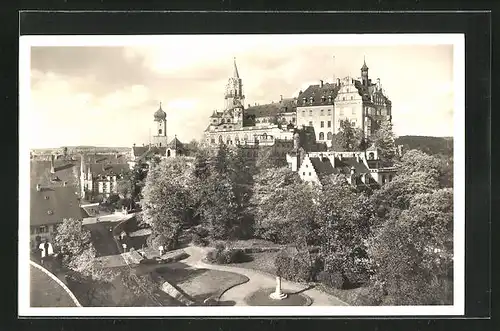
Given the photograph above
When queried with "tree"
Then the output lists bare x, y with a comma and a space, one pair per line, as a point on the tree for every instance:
348, 138
74, 243
193, 147
167, 199
343, 221
413, 251
142, 290
384, 139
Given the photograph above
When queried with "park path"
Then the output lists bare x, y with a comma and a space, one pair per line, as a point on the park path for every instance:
257, 281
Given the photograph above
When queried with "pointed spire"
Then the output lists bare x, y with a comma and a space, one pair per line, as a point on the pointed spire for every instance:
364, 67
160, 104
235, 74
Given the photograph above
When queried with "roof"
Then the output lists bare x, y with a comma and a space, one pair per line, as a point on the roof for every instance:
235, 73
114, 158
364, 67
322, 167
107, 169
160, 114
319, 94
347, 163
65, 171
267, 110
52, 205
176, 144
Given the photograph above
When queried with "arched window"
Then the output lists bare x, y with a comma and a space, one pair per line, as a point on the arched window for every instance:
159, 131
220, 139
168, 153
228, 120
321, 136
322, 112
371, 156
329, 136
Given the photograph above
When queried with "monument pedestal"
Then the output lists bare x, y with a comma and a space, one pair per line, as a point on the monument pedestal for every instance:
278, 295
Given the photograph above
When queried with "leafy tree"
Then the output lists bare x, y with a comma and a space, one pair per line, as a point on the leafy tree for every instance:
74, 243
343, 220
417, 161
142, 290
413, 251
348, 138
384, 139
167, 199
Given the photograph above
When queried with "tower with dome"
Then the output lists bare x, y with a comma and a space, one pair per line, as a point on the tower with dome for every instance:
159, 138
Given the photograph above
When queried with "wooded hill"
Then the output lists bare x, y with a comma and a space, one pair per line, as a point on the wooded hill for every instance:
429, 145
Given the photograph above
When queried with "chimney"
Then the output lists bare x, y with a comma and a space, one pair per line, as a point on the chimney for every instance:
338, 81
38, 187
321, 83
52, 168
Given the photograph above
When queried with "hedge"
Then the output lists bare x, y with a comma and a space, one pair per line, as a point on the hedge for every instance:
296, 267
224, 255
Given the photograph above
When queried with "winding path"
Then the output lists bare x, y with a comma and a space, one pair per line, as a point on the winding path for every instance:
257, 281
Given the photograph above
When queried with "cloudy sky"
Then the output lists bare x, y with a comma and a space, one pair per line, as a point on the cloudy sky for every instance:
106, 95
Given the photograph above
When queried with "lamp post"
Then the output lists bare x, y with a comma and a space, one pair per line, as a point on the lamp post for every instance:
278, 295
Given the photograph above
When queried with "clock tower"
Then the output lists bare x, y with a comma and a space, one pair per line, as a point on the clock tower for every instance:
160, 128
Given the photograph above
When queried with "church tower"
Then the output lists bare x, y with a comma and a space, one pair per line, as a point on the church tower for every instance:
234, 90
364, 73
160, 128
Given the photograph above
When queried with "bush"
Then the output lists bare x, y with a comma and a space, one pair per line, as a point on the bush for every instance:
197, 240
295, 267
223, 255
373, 296
332, 279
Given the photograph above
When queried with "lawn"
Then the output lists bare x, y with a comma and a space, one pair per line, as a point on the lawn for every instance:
45, 292
349, 296
200, 284
260, 261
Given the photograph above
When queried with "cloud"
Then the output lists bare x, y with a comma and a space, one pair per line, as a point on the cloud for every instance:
107, 95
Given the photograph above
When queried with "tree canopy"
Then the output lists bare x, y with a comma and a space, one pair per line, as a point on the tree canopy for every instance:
348, 138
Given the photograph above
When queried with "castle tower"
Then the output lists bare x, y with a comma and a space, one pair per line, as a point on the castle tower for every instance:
160, 128
364, 73
234, 90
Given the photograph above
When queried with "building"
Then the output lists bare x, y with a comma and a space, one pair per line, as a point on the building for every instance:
49, 206
54, 171
254, 126
360, 101
99, 174
362, 168
159, 147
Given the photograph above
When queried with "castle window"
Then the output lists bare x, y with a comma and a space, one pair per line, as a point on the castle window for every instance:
322, 124
310, 113
322, 112
212, 140
343, 98
371, 156
224, 127
321, 136
310, 123
159, 131
352, 97
245, 137
329, 136
293, 119
222, 120
228, 120
329, 124
353, 123
220, 138
215, 121
309, 174
303, 113
304, 173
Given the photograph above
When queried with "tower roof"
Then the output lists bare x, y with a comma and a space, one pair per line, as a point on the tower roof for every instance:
235, 73
160, 114
364, 67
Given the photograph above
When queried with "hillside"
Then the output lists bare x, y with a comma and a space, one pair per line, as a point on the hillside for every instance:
429, 145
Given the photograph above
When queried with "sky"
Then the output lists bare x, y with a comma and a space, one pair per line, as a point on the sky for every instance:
106, 95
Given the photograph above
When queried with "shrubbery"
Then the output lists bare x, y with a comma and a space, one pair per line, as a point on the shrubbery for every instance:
226, 255
296, 267
373, 296
199, 236
332, 279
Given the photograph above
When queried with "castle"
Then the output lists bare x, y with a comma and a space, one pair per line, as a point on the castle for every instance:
320, 107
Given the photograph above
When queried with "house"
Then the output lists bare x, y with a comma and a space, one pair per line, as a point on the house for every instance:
144, 154
362, 168
49, 206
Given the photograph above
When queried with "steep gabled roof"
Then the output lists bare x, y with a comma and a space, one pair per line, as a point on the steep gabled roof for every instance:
65, 171
267, 110
319, 94
98, 169
322, 167
176, 144
52, 205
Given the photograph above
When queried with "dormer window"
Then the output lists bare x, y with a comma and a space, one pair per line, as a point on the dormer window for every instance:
46, 197
50, 212
323, 98
228, 120
311, 99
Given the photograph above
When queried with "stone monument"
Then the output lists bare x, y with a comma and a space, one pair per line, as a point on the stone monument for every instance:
278, 295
